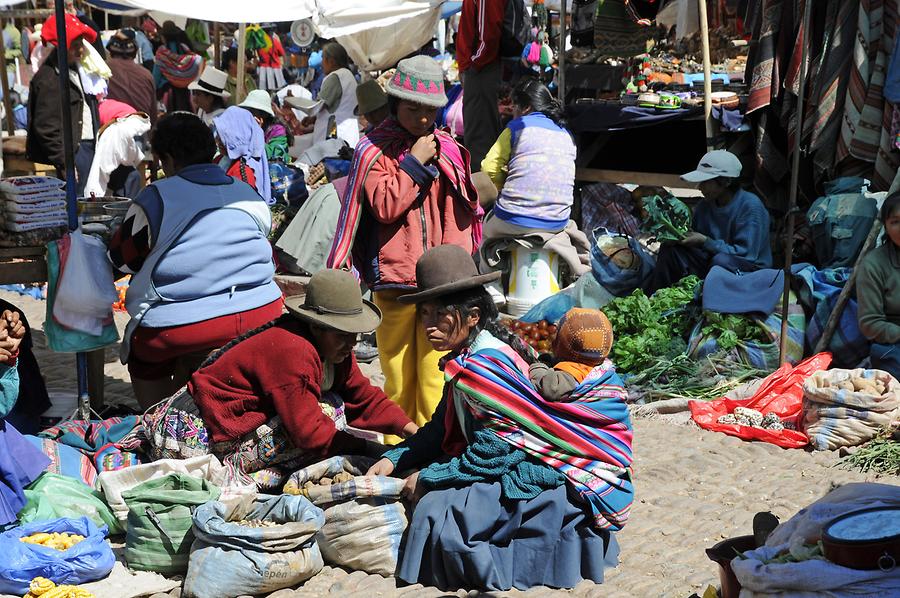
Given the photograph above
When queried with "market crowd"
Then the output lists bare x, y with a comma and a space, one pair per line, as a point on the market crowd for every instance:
401, 197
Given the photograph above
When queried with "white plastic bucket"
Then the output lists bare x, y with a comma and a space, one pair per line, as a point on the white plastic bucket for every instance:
534, 275
517, 308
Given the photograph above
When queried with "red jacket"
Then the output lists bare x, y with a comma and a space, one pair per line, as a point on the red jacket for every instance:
480, 30
278, 372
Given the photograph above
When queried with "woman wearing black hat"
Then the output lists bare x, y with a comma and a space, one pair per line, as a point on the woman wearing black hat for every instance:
279, 397
496, 463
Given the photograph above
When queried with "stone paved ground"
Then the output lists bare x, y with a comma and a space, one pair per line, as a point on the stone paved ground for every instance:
694, 488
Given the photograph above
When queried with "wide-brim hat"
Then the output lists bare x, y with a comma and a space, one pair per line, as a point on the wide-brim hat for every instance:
370, 97
445, 270
333, 299
211, 81
258, 99
419, 79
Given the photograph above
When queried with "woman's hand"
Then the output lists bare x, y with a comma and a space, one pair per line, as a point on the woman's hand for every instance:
693, 239
410, 429
424, 149
412, 489
12, 331
383, 467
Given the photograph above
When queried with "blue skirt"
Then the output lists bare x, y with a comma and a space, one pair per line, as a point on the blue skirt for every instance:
473, 538
20, 464
887, 358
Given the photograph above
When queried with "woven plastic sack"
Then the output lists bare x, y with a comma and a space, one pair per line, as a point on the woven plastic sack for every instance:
834, 417
20, 562
610, 270
52, 496
228, 559
780, 393
364, 517
160, 516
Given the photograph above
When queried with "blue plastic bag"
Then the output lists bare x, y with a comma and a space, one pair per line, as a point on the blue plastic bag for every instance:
89, 560
619, 281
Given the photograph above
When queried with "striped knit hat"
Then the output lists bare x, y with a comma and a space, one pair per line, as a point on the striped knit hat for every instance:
583, 336
419, 79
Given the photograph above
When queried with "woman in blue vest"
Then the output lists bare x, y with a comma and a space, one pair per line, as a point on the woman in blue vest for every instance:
532, 164
195, 243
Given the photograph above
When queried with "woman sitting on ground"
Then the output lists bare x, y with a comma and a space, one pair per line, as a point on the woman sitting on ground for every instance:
203, 272
731, 227
242, 150
878, 293
512, 490
279, 397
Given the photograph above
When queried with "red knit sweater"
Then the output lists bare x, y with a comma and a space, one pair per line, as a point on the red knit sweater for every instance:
278, 372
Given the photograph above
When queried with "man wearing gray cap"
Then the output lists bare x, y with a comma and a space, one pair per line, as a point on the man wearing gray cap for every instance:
730, 227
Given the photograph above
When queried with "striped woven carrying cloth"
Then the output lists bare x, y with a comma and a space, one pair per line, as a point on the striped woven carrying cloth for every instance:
588, 438
179, 69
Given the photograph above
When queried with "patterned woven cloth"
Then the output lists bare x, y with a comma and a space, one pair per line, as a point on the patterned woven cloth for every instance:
588, 438
108, 443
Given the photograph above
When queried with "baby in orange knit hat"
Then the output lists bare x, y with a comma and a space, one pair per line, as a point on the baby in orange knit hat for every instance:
584, 338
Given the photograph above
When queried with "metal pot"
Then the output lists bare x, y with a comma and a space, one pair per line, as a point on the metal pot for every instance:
866, 539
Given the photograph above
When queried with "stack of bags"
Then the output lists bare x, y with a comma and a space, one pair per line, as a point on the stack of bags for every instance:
31, 203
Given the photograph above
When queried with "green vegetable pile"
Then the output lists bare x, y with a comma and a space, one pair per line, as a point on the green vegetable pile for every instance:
667, 218
649, 328
682, 377
730, 329
881, 455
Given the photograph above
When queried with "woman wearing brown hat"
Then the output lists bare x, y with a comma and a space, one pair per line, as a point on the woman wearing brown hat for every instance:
511, 490
280, 396
409, 190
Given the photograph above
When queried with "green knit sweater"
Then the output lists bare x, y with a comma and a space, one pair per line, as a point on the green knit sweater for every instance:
878, 295
488, 459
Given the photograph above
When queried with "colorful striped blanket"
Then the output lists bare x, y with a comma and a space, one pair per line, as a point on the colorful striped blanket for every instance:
588, 439
391, 140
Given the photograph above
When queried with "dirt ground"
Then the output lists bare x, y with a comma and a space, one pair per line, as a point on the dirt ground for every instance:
693, 488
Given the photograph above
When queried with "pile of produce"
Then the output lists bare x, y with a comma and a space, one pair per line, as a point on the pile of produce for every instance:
649, 328
880, 455
666, 218
43, 587
256, 523
751, 417
856, 383
731, 329
682, 377
55, 540
539, 335
339, 478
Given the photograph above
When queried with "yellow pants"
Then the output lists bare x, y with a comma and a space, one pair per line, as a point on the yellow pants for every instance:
410, 365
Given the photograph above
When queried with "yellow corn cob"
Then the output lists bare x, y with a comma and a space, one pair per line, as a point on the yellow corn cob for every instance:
47, 589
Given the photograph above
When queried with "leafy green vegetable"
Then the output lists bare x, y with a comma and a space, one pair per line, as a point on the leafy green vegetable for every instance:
647, 328
668, 218
730, 329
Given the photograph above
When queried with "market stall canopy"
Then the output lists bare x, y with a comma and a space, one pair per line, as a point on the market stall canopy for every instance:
8, 3
114, 8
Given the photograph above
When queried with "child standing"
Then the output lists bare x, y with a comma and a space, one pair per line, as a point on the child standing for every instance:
409, 190
584, 338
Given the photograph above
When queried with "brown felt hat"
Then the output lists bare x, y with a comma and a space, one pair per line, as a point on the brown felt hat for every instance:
445, 270
333, 299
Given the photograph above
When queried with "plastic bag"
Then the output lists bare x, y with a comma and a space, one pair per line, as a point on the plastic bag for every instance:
52, 496
228, 559
834, 417
158, 536
89, 560
780, 393
60, 338
609, 270
86, 289
364, 517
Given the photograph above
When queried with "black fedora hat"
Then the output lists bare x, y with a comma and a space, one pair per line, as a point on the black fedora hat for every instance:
445, 270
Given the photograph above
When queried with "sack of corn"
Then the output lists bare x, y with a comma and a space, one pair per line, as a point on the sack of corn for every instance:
253, 547
158, 536
848, 407
62, 551
364, 517
41, 587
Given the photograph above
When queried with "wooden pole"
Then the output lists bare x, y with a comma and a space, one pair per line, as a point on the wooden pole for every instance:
844, 296
707, 75
795, 181
4, 85
242, 59
562, 52
217, 47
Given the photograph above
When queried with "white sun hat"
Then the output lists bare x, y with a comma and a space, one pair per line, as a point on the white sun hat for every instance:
258, 99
